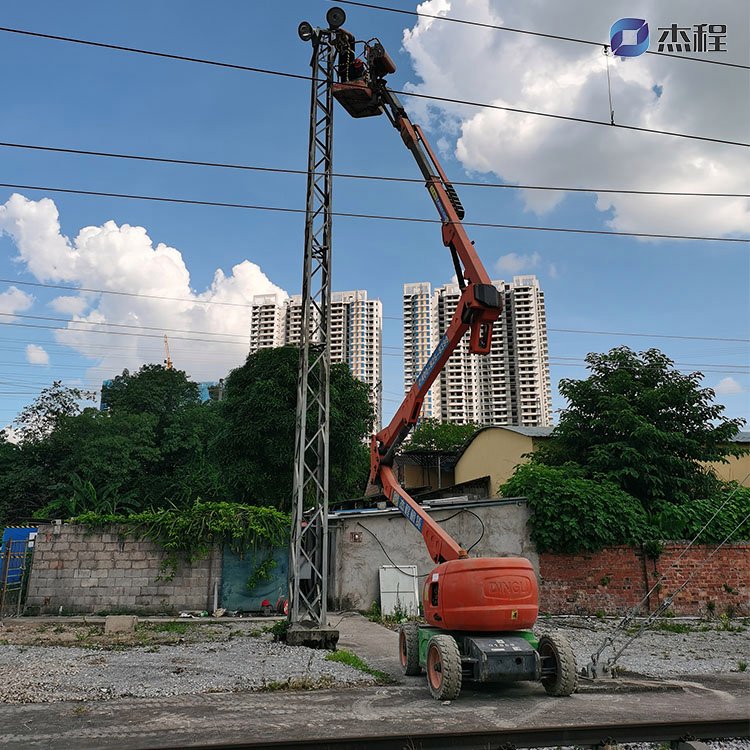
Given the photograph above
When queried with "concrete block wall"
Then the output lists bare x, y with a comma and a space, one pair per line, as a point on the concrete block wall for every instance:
86, 571
356, 556
615, 579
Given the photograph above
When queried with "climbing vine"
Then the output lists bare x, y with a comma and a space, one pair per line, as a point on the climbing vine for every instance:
188, 533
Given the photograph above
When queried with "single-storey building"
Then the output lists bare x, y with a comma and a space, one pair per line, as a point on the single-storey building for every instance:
494, 452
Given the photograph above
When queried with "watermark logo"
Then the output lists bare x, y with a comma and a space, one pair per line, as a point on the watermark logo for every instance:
700, 37
629, 37
634, 43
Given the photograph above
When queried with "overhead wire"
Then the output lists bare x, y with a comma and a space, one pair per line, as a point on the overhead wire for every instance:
354, 176
94, 290
125, 325
497, 27
377, 217
284, 74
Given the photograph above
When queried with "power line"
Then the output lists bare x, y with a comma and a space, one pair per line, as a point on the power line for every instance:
465, 22
646, 335
153, 53
122, 333
124, 294
570, 118
122, 325
443, 99
385, 317
380, 217
351, 176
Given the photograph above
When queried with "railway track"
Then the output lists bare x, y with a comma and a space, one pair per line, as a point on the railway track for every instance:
592, 735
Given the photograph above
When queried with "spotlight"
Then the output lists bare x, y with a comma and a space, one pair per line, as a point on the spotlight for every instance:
336, 17
305, 31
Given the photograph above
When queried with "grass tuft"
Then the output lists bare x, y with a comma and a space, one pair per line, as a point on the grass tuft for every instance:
342, 656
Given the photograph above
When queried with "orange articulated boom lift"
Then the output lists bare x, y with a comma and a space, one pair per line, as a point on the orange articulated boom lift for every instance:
479, 610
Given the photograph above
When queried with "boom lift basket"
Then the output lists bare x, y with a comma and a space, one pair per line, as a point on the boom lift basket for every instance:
357, 98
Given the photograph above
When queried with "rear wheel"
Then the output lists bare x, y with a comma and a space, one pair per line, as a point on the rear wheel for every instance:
408, 648
443, 668
558, 665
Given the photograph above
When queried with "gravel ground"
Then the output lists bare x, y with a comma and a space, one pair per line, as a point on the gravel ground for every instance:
660, 653
230, 658
45, 674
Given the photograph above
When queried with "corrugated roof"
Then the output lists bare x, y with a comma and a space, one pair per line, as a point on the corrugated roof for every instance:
530, 431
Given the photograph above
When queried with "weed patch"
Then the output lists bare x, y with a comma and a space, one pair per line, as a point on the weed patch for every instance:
352, 660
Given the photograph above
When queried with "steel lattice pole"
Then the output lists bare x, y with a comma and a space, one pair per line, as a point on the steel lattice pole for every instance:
308, 570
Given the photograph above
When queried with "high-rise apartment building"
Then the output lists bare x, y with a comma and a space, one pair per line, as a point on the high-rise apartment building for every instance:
356, 333
509, 386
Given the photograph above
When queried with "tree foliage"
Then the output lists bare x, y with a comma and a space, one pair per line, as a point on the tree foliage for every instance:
624, 464
638, 422
156, 446
575, 514
154, 389
431, 434
37, 421
256, 446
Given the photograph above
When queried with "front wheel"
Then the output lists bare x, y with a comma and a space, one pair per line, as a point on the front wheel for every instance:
559, 675
443, 668
408, 648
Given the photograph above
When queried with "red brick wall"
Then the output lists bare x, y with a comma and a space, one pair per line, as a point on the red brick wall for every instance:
617, 578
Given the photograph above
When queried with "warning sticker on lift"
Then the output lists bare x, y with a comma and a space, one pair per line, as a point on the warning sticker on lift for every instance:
432, 361
407, 510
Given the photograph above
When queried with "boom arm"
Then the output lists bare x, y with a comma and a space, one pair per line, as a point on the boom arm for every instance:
478, 307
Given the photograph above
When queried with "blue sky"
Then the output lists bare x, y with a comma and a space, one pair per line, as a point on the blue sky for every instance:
65, 95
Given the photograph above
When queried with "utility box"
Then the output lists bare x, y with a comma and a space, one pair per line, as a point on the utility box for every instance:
399, 590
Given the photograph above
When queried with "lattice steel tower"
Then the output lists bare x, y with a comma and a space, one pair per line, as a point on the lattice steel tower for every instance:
308, 568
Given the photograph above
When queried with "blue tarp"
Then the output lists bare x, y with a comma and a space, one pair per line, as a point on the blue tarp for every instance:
16, 542
236, 572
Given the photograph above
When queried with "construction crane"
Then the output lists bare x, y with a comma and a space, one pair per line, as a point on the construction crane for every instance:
168, 360
479, 610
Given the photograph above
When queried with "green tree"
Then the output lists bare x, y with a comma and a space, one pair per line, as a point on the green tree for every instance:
638, 422
256, 446
575, 514
431, 434
36, 421
154, 389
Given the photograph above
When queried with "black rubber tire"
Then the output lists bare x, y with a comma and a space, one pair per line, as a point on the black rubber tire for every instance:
565, 680
443, 650
408, 648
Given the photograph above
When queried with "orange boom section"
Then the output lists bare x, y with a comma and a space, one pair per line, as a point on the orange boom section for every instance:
484, 594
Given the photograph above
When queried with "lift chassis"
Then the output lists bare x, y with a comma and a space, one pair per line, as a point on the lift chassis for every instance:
479, 611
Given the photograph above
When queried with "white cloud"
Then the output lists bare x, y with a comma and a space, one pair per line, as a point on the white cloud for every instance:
69, 305
727, 386
485, 65
515, 263
124, 259
13, 300
36, 355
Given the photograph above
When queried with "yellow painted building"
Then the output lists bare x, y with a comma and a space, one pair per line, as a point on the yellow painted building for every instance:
496, 451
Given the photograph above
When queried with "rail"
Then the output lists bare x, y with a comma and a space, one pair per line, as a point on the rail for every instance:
679, 733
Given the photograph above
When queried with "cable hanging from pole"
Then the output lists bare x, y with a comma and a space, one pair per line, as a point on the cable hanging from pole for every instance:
609, 87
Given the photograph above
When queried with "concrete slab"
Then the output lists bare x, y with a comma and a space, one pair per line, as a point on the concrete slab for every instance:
136, 724
120, 623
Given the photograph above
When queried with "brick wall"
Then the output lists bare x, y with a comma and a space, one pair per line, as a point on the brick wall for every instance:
84, 571
617, 578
